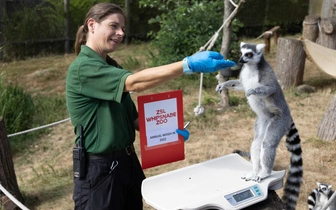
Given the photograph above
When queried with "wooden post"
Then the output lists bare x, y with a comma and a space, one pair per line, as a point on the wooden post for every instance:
290, 62
7, 172
67, 27
327, 33
2, 14
326, 129
128, 21
267, 36
310, 28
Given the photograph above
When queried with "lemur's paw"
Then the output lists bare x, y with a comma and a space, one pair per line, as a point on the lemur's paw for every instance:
257, 179
263, 175
220, 87
249, 176
250, 92
231, 84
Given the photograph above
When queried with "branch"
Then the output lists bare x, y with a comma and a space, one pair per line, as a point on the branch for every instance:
332, 198
229, 19
234, 4
234, 12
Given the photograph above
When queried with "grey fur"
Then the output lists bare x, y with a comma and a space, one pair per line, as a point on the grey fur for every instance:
320, 196
273, 121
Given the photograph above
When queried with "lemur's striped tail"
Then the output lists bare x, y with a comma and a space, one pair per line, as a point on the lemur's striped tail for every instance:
312, 199
242, 153
294, 177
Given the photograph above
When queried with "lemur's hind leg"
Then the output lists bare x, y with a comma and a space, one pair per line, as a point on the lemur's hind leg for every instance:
255, 150
272, 136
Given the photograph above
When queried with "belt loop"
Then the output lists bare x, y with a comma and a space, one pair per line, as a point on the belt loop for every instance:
129, 149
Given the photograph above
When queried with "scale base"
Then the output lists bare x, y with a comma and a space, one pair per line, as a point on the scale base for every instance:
213, 184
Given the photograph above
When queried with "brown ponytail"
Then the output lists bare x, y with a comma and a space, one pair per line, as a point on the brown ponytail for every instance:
80, 39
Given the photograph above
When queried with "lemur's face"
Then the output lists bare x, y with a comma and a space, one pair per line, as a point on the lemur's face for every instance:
250, 53
324, 188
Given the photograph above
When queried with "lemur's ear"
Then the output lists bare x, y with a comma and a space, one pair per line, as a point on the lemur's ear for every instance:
260, 47
318, 183
242, 44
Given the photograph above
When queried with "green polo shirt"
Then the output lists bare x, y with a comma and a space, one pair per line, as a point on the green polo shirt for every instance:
95, 100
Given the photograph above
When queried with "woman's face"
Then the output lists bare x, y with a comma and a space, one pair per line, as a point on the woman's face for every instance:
104, 37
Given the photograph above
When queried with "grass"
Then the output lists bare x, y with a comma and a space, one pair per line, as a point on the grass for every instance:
44, 167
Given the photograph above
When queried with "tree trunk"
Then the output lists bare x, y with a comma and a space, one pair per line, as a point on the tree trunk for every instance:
225, 49
128, 19
290, 62
227, 29
310, 29
327, 33
67, 27
315, 7
2, 15
326, 129
7, 172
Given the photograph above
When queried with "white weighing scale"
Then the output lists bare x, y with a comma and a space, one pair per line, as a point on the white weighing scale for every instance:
213, 184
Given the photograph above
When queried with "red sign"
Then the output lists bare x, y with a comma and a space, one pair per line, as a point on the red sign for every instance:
159, 117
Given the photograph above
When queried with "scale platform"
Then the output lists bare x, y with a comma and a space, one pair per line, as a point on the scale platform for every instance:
213, 184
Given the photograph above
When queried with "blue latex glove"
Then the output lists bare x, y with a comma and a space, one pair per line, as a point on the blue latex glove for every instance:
205, 62
184, 133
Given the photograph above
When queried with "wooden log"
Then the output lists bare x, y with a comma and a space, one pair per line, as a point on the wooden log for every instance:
326, 129
310, 28
7, 173
290, 62
327, 33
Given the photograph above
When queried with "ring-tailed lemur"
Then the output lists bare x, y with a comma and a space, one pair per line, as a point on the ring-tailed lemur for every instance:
274, 120
320, 196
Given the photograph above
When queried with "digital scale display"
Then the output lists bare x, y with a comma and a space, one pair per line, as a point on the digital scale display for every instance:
244, 195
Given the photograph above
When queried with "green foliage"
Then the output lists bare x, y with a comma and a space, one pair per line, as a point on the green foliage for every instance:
50, 109
79, 8
184, 28
17, 108
26, 25
21, 111
32, 30
131, 63
234, 100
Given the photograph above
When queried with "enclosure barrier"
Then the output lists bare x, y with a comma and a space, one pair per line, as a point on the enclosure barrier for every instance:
10, 196
6, 192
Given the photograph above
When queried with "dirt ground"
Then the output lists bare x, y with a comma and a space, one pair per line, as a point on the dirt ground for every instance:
207, 141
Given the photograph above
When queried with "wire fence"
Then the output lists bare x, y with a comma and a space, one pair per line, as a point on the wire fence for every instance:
2, 189
38, 128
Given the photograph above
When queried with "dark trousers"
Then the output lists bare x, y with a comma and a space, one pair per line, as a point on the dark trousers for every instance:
110, 183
